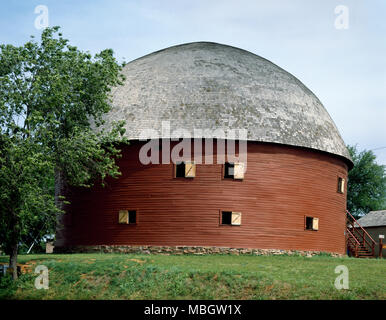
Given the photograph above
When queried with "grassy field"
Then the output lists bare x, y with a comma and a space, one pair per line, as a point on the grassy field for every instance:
129, 276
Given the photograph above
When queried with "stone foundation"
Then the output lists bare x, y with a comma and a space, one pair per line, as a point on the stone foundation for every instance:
180, 250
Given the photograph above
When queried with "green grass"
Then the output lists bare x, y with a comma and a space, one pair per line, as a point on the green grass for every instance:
133, 276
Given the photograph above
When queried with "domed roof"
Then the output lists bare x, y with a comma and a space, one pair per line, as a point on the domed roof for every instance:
204, 85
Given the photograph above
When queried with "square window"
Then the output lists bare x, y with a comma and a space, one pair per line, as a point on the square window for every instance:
132, 216
340, 185
127, 217
229, 170
180, 170
226, 217
231, 218
234, 170
312, 223
185, 170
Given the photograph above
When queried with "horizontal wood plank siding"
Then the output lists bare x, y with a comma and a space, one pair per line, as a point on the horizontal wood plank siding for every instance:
282, 184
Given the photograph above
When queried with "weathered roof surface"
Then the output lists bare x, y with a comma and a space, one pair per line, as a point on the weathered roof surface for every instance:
206, 85
373, 219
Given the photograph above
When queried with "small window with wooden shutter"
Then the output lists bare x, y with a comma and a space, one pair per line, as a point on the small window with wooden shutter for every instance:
231, 218
127, 217
185, 170
311, 223
340, 185
234, 170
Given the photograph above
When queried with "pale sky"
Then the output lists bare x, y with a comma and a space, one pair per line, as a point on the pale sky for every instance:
345, 68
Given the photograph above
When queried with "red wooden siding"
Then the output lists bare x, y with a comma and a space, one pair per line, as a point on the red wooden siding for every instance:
281, 186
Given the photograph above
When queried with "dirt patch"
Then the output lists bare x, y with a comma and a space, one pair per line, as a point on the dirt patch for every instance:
137, 260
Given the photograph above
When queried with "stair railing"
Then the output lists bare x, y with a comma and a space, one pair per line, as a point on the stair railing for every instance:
360, 234
353, 243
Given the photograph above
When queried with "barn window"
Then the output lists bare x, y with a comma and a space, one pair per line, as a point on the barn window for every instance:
180, 169
231, 218
185, 170
127, 216
234, 170
340, 185
312, 223
229, 170
132, 216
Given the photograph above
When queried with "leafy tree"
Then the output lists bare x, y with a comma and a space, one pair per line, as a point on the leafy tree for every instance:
25, 199
52, 101
366, 183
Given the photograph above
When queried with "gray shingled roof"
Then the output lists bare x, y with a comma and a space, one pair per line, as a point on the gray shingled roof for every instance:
373, 219
207, 85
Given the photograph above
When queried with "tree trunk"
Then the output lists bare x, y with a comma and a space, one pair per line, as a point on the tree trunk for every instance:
60, 191
13, 260
13, 241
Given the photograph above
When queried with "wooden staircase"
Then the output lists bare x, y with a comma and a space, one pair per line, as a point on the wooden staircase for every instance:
359, 242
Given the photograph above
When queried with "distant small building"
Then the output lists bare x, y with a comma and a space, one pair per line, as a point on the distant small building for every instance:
50, 247
375, 224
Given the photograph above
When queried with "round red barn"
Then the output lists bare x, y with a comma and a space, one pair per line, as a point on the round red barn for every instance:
292, 195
